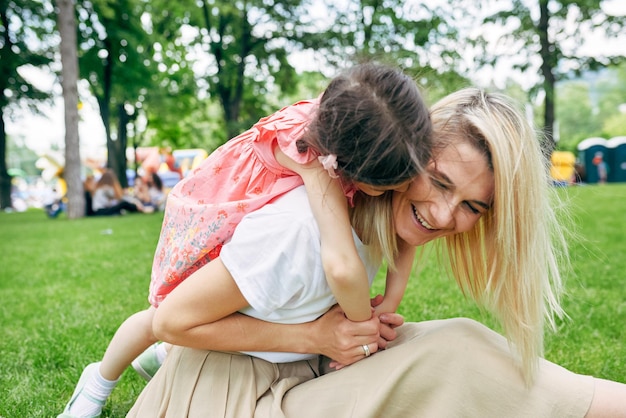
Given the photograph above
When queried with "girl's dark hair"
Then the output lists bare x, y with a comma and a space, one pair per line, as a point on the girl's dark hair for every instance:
374, 119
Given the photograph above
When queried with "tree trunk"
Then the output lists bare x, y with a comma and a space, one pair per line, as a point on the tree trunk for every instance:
5, 179
69, 82
118, 162
547, 67
116, 148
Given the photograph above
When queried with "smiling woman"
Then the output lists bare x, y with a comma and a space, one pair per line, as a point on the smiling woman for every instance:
457, 191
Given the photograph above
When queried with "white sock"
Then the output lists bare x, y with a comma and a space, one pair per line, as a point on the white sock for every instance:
93, 396
161, 352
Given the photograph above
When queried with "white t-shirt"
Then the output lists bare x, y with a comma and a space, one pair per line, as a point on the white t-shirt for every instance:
103, 197
274, 257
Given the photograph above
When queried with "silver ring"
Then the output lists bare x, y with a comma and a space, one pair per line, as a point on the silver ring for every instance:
366, 350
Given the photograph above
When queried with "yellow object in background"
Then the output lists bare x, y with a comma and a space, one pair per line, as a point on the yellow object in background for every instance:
562, 168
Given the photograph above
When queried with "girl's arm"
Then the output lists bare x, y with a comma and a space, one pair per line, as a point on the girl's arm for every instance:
345, 272
200, 313
397, 279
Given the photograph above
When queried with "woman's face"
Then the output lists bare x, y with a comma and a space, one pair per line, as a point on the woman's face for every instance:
448, 198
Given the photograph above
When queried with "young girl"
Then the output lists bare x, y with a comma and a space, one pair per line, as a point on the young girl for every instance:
369, 132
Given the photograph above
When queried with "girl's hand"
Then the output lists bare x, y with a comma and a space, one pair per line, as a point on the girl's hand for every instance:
342, 340
388, 322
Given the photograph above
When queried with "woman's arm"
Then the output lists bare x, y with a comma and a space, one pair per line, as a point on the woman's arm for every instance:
200, 313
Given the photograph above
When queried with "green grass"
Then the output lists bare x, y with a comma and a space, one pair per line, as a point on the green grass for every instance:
66, 285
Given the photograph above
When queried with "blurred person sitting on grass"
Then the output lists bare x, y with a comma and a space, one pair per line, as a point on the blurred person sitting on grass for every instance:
108, 197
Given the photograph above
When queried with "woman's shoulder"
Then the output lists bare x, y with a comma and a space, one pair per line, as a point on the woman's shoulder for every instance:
288, 217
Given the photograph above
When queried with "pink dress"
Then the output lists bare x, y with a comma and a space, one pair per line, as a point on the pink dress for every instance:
241, 176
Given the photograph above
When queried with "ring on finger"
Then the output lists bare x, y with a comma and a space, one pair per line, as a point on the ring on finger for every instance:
366, 350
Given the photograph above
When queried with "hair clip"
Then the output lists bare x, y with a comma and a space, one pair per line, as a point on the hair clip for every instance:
329, 162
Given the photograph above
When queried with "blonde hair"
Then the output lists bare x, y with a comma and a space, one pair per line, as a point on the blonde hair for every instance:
372, 219
509, 262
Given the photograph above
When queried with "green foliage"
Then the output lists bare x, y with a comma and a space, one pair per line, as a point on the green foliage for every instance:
67, 285
566, 40
615, 125
26, 35
21, 157
115, 50
27, 39
555, 36
246, 45
612, 101
576, 116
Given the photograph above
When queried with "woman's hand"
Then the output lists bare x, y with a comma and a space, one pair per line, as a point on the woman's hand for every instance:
342, 340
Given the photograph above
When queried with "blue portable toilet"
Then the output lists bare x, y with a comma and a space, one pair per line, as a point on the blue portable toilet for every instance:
588, 149
617, 158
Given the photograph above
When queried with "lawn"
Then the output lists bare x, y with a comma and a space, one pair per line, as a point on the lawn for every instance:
67, 285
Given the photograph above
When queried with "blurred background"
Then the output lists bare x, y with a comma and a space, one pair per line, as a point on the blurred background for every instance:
159, 84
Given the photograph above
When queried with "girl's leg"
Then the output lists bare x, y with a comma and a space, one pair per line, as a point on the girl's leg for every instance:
99, 379
131, 339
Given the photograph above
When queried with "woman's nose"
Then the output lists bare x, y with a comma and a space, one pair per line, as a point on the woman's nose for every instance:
442, 214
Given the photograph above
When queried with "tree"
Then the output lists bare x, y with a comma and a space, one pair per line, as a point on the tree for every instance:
611, 97
244, 48
245, 45
553, 31
173, 113
114, 56
248, 43
576, 115
25, 27
69, 82
414, 35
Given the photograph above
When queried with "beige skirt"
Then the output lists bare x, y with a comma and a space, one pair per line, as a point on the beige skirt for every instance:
448, 368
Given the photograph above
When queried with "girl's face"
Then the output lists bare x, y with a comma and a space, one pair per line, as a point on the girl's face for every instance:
452, 194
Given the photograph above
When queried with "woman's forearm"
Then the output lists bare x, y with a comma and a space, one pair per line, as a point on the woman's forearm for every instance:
186, 318
331, 335
239, 332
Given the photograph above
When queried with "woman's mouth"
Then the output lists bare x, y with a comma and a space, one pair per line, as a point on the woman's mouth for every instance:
421, 220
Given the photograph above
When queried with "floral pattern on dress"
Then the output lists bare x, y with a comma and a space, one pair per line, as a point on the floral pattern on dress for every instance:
241, 176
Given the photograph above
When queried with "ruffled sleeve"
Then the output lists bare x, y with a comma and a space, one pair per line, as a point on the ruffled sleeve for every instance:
287, 126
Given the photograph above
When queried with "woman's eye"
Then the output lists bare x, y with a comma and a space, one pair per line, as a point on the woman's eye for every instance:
440, 184
471, 208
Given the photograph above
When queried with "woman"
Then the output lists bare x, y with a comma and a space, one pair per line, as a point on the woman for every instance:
108, 197
501, 249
